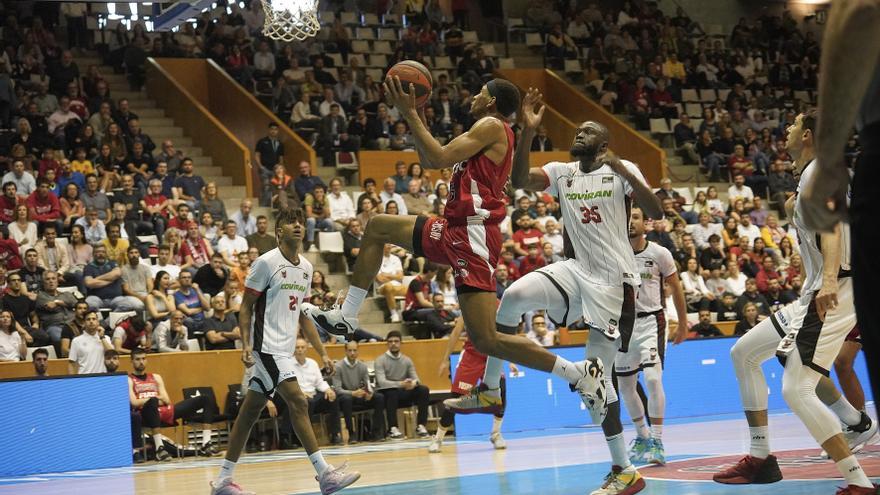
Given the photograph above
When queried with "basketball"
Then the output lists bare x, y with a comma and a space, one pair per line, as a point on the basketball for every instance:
412, 72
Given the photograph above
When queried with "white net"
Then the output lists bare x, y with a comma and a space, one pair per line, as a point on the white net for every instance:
289, 20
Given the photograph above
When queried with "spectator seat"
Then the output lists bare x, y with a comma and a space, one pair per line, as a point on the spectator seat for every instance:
49, 348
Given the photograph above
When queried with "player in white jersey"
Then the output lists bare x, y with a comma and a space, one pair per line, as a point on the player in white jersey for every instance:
647, 345
596, 191
278, 283
807, 335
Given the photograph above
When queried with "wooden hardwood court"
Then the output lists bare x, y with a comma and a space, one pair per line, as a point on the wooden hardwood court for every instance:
563, 461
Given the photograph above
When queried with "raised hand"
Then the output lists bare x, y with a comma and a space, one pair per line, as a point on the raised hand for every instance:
531, 118
398, 98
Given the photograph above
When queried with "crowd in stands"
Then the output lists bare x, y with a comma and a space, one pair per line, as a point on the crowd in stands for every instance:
727, 100
112, 243
85, 184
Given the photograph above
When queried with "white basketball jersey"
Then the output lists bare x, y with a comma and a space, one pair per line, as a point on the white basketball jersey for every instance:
808, 241
654, 263
595, 211
281, 288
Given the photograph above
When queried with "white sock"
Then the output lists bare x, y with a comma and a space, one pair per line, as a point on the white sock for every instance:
353, 301
846, 412
566, 369
492, 374
157, 439
318, 462
657, 431
760, 441
496, 424
617, 446
642, 428
206, 436
852, 472
226, 469
441, 433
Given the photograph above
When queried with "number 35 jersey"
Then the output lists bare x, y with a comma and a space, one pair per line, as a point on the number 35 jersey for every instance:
595, 211
281, 287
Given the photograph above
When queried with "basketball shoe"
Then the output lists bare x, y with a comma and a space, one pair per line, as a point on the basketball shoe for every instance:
656, 454
858, 490
334, 479
591, 387
498, 441
638, 451
227, 487
861, 434
621, 482
751, 470
436, 445
480, 400
331, 320
858, 436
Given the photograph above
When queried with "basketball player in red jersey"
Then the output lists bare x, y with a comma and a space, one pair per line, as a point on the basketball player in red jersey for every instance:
147, 395
468, 374
468, 238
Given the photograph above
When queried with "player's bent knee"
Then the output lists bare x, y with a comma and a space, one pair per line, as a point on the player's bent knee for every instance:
653, 376
298, 404
793, 394
485, 342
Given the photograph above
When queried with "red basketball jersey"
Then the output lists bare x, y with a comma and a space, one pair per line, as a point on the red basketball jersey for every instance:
476, 190
145, 387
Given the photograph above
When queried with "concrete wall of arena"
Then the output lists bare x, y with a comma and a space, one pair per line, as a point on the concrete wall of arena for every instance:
238, 111
568, 107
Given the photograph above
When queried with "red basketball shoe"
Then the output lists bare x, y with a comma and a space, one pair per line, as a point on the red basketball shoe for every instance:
751, 470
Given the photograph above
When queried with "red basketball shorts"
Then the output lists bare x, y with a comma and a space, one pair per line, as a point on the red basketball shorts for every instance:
470, 370
854, 335
471, 250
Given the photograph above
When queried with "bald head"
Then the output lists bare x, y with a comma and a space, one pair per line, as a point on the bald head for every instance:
590, 141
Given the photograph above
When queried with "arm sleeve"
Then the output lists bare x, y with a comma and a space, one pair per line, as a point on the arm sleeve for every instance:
258, 278
633, 169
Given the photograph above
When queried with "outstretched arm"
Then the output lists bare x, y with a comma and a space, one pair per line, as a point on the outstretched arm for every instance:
523, 176
482, 135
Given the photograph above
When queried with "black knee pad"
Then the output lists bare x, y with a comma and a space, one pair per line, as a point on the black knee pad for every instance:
611, 425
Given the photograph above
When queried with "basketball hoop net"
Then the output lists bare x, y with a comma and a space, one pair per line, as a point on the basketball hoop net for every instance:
289, 20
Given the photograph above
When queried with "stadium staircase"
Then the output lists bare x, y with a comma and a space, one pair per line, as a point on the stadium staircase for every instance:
159, 127
685, 177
